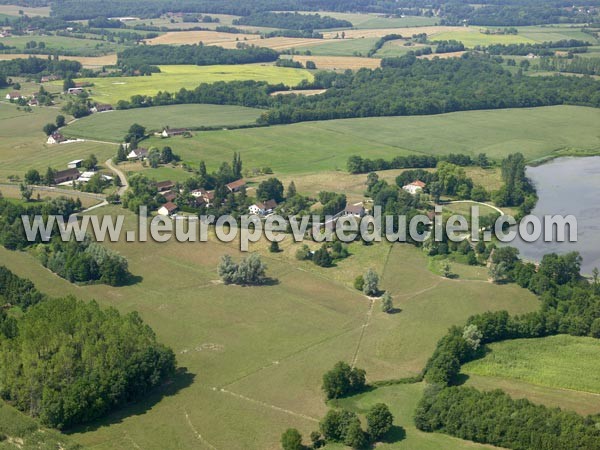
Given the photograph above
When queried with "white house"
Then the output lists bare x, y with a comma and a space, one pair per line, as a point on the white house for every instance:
354, 210
138, 153
15, 95
415, 187
56, 138
263, 208
168, 209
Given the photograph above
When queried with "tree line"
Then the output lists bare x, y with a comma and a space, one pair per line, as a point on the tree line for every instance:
199, 55
292, 21
540, 49
495, 418
68, 362
357, 164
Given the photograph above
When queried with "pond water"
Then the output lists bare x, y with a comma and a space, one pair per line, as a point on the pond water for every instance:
568, 186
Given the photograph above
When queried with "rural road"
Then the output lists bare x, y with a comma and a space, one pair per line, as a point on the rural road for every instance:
120, 174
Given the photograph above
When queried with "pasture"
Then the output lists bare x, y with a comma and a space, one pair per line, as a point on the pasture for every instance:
472, 37
65, 45
173, 78
564, 362
24, 145
90, 62
306, 148
366, 21
255, 356
13, 10
339, 47
113, 125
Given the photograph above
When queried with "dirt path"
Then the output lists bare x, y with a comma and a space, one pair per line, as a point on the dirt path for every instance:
124, 184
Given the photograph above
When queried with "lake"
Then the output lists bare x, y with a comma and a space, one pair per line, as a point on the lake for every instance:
568, 186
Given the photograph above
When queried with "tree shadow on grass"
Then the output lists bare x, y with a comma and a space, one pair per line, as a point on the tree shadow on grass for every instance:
131, 280
395, 311
179, 381
396, 434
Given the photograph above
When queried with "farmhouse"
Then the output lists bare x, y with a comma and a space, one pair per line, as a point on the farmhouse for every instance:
167, 209
414, 187
169, 195
235, 186
168, 132
14, 95
63, 176
354, 210
56, 138
263, 208
75, 91
138, 153
101, 108
163, 186
75, 164
49, 78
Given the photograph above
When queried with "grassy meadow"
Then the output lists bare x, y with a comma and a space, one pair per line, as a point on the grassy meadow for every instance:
24, 145
115, 124
173, 78
307, 147
340, 47
563, 361
255, 356
66, 45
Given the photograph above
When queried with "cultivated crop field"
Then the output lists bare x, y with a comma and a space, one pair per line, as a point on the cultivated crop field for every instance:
307, 147
173, 78
340, 47
114, 124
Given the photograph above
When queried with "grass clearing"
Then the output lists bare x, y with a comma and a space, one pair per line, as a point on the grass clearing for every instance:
563, 361
306, 148
114, 125
173, 78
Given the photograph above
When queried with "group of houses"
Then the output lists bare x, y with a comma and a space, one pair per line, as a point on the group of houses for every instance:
15, 96
357, 211
202, 197
72, 174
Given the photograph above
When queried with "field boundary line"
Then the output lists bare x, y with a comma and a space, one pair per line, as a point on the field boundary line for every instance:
196, 433
267, 405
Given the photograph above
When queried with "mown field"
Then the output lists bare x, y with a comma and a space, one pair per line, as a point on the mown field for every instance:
340, 47
173, 78
115, 124
361, 20
563, 361
255, 356
308, 147
13, 10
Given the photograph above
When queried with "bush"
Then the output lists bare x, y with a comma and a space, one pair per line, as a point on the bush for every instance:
387, 306
250, 270
371, 286
291, 440
303, 253
359, 283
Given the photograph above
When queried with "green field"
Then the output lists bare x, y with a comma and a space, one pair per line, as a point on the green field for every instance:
533, 34
24, 145
307, 147
341, 47
173, 78
472, 37
66, 45
256, 355
371, 21
114, 124
562, 361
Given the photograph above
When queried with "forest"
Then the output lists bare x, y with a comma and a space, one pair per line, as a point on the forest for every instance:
543, 49
24, 67
68, 362
199, 55
292, 21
